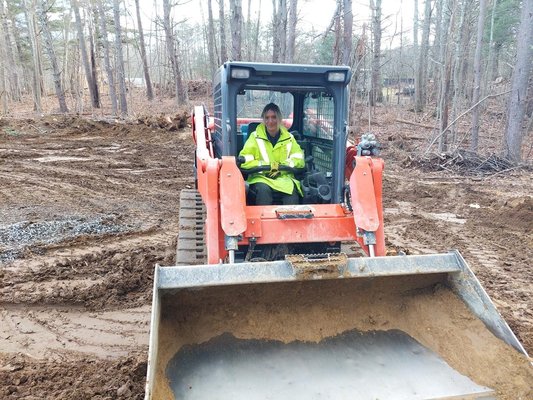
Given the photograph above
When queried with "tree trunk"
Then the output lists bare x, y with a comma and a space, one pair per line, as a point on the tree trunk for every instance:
236, 29
495, 68
477, 76
490, 56
181, 91
282, 30
275, 32
421, 75
30, 18
291, 34
93, 90
415, 28
14, 91
49, 48
17, 49
93, 60
446, 72
256, 34
119, 60
437, 43
248, 32
142, 47
348, 33
107, 62
460, 48
211, 39
222, 21
3, 89
512, 145
376, 94
337, 45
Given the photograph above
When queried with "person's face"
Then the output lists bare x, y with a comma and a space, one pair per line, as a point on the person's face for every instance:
271, 122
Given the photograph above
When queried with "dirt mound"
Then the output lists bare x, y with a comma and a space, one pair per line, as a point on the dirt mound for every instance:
199, 89
517, 213
168, 122
76, 378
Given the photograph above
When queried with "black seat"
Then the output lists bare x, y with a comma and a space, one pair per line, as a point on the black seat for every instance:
252, 126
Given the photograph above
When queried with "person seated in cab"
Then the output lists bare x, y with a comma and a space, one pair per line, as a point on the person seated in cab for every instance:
272, 144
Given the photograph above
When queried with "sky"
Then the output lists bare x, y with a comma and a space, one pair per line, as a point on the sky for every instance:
312, 14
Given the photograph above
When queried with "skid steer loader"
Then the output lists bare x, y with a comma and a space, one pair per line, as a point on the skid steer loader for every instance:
309, 322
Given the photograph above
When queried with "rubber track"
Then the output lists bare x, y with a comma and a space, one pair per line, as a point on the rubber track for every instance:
191, 248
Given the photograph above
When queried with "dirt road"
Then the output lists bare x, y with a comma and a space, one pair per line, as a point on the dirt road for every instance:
87, 208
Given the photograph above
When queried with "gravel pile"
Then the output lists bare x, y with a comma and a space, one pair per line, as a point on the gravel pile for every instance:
16, 239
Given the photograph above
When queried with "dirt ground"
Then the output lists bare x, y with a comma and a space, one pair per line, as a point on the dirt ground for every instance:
87, 208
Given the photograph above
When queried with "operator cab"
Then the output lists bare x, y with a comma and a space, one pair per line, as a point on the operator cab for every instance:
313, 102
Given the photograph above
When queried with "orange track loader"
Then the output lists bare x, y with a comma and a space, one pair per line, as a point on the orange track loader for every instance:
308, 321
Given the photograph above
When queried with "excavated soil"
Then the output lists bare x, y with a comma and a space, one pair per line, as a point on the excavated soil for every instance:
87, 208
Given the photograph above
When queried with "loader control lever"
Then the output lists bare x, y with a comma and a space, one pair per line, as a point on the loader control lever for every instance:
265, 168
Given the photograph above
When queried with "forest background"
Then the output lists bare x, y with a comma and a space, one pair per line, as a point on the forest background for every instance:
463, 68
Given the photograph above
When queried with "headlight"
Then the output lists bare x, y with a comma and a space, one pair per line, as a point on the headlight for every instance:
336, 76
240, 73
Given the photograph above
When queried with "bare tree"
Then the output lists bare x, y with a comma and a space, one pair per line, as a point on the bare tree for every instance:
236, 29
282, 29
275, 32
522, 71
376, 94
421, 72
337, 44
3, 89
291, 35
92, 52
93, 87
222, 29
9, 57
446, 72
415, 27
30, 18
437, 42
49, 48
256, 34
181, 91
211, 38
119, 57
461, 45
142, 48
107, 62
477, 76
348, 32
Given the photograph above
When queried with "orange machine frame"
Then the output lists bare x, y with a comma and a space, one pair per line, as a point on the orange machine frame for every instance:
222, 188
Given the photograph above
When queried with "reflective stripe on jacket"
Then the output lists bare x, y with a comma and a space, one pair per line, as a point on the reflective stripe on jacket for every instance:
258, 150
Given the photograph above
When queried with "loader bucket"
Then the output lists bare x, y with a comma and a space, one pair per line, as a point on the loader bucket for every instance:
405, 327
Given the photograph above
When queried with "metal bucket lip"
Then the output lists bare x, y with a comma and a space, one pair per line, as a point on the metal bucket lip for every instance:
181, 277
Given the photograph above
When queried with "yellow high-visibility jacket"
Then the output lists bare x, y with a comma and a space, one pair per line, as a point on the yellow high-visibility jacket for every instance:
259, 151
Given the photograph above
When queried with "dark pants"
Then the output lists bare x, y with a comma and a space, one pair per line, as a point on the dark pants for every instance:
266, 196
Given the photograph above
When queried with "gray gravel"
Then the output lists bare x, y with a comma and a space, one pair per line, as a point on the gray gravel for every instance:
18, 238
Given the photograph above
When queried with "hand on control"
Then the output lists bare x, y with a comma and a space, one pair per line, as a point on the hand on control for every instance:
274, 172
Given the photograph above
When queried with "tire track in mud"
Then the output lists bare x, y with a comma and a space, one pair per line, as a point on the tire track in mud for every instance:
46, 332
95, 273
